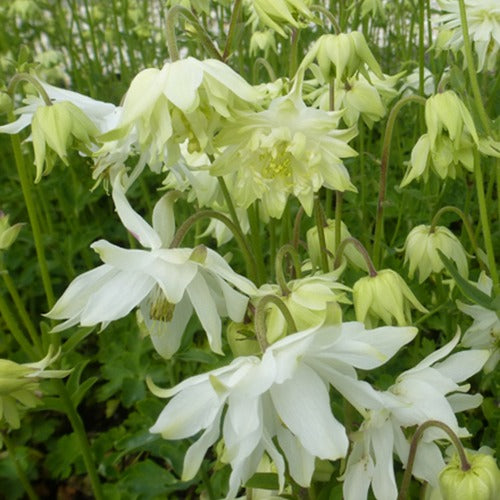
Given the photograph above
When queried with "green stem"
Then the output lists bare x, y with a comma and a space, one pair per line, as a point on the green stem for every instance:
362, 251
318, 216
33, 217
26, 77
405, 485
384, 167
280, 274
471, 69
338, 217
328, 15
260, 318
467, 226
235, 15
23, 478
238, 235
485, 221
203, 36
293, 56
84, 446
253, 218
296, 227
263, 62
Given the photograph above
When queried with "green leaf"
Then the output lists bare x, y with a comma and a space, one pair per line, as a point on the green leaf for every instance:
467, 288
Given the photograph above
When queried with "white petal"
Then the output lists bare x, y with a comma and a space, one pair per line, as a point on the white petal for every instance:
384, 482
462, 365
182, 81
164, 219
139, 228
14, 127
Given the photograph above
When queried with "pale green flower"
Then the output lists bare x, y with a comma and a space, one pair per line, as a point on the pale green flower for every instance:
342, 56
279, 399
484, 333
421, 251
483, 20
288, 149
480, 482
19, 386
312, 301
278, 14
350, 252
167, 284
8, 233
262, 41
185, 100
385, 296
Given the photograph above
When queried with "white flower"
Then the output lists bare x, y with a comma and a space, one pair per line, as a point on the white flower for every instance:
286, 149
167, 283
284, 395
484, 333
429, 391
483, 20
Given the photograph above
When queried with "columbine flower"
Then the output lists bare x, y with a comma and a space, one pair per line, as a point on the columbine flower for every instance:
284, 395
481, 481
385, 296
275, 14
484, 333
429, 391
185, 100
8, 233
421, 248
166, 283
483, 20
342, 55
312, 301
350, 252
286, 149
19, 385
449, 142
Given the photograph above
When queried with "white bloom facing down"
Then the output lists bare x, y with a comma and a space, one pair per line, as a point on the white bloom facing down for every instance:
428, 391
284, 395
167, 283
286, 149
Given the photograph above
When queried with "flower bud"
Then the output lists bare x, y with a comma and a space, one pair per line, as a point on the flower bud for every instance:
385, 296
480, 482
8, 233
421, 251
6, 104
350, 252
241, 339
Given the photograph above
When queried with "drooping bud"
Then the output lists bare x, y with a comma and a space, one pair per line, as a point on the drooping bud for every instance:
8, 233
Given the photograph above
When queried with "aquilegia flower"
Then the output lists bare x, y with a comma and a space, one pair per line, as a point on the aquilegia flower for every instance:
428, 391
166, 283
287, 149
283, 395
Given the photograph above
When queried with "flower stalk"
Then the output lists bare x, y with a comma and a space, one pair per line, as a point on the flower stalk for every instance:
280, 257
353, 241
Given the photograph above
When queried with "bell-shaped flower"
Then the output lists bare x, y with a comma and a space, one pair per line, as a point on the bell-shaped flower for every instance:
484, 333
8, 233
19, 386
283, 396
185, 100
421, 251
287, 149
429, 391
166, 283
483, 20
342, 56
385, 296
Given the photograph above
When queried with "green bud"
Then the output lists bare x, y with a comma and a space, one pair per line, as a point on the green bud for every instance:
8, 233
241, 339
480, 482
6, 104
421, 251
199, 254
385, 296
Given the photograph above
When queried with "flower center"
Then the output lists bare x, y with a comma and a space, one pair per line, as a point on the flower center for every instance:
277, 164
160, 308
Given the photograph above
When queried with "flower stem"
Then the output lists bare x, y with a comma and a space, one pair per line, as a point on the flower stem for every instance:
238, 235
405, 485
26, 77
485, 221
32, 214
23, 479
260, 318
263, 62
338, 217
235, 15
203, 36
318, 215
467, 226
328, 15
280, 275
384, 167
362, 251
